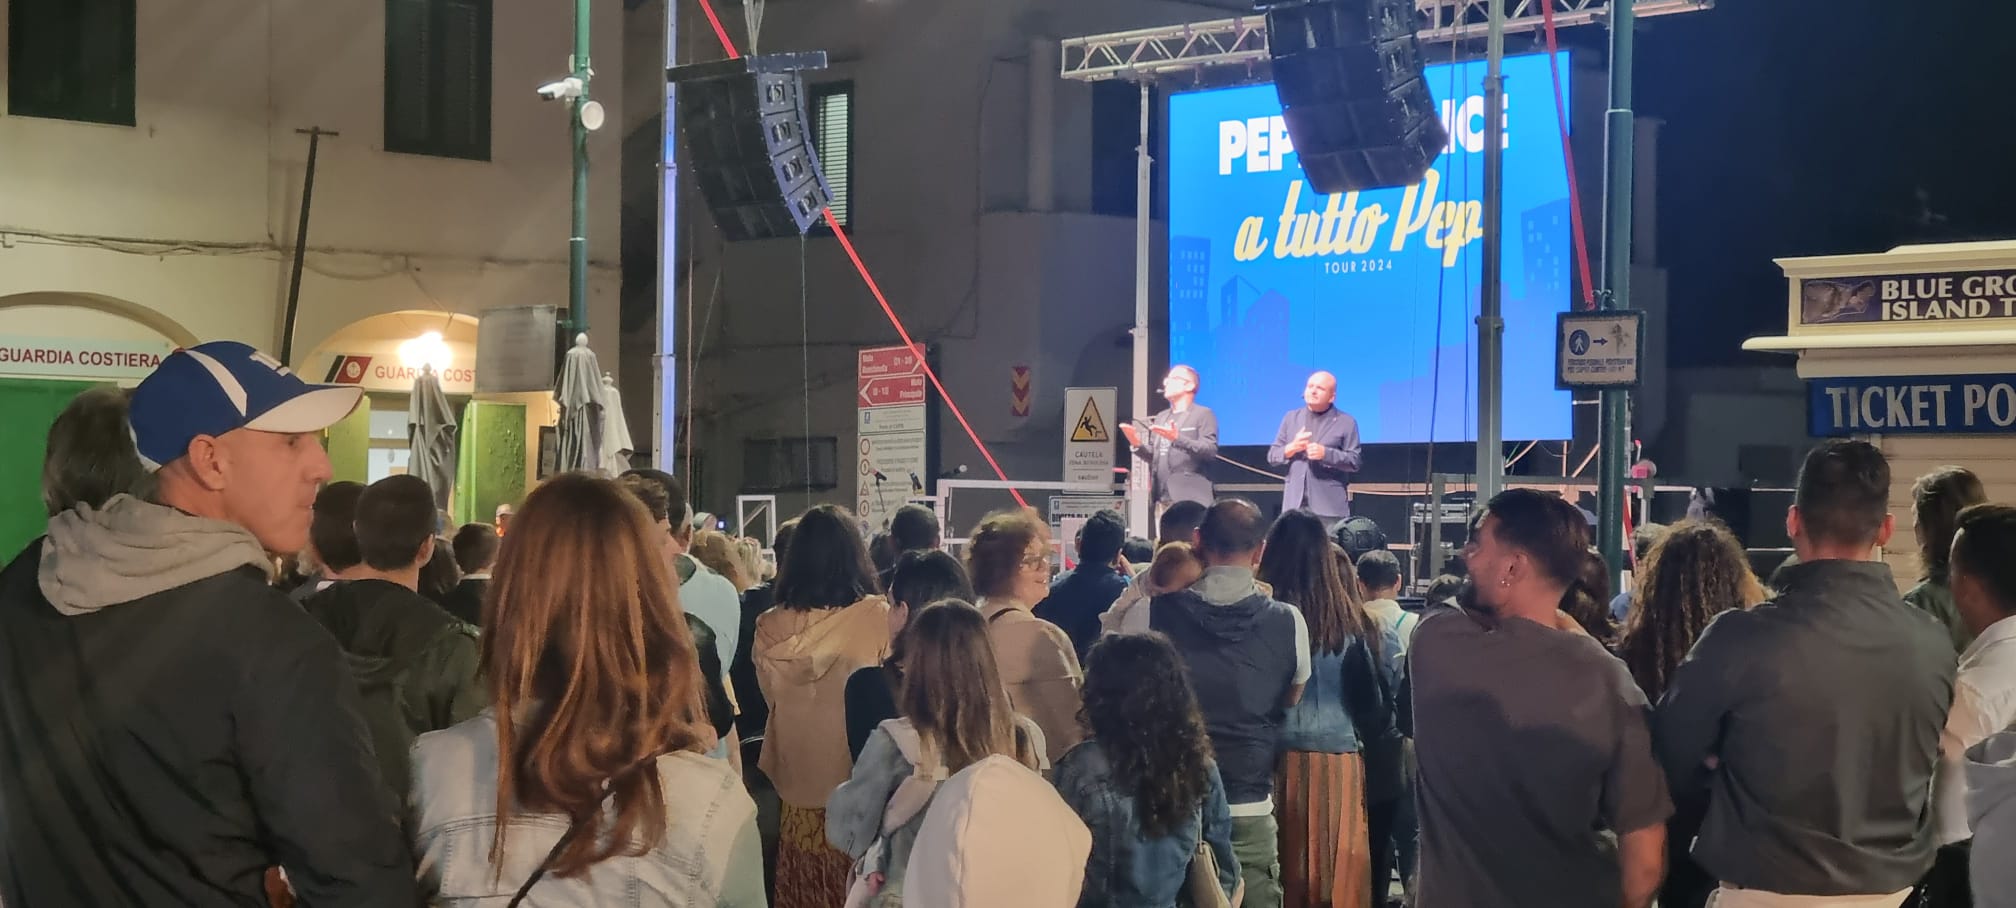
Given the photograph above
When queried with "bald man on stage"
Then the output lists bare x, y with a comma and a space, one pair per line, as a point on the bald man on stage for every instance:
1318, 443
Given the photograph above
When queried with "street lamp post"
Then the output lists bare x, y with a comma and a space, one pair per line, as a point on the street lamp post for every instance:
577, 241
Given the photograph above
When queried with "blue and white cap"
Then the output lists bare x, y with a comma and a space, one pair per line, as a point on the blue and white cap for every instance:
222, 386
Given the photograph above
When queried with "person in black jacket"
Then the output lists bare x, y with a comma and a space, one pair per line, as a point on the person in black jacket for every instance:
1812, 722
1177, 443
475, 548
415, 663
919, 579
174, 727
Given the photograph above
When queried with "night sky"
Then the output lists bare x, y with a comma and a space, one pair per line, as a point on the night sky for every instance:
1820, 127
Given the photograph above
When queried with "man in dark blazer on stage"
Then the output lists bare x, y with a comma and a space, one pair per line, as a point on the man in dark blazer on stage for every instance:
1318, 443
1180, 441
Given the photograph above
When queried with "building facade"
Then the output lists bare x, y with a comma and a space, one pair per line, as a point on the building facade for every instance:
154, 175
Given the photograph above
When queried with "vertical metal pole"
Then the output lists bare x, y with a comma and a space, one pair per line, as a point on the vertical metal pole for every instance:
314, 135
1490, 319
665, 440
577, 242
1140, 487
1615, 431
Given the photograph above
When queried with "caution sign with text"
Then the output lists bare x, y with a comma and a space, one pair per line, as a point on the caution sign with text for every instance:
1089, 452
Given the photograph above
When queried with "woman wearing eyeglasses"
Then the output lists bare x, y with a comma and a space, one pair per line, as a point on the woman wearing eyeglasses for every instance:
1008, 558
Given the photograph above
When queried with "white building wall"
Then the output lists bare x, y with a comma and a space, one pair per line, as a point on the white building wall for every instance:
940, 178
214, 164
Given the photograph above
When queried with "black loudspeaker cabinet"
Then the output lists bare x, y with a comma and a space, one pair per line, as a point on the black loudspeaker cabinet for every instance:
747, 143
1349, 75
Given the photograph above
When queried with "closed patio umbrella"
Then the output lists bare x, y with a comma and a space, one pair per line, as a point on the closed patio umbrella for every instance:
581, 408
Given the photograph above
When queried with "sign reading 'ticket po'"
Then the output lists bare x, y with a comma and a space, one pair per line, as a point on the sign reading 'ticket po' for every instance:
1912, 404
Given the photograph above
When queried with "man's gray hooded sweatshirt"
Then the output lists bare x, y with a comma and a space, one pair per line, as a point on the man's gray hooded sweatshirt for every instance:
171, 727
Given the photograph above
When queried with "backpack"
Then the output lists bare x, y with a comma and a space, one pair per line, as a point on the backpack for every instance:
997, 835
865, 882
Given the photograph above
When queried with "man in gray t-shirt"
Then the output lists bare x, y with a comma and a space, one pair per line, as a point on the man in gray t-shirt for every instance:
1537, 785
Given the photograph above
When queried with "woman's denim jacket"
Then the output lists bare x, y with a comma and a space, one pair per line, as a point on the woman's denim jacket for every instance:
1321, 721
1127, 869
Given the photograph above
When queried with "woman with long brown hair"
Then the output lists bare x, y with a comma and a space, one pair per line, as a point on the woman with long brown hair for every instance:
954, 712
1326, 854
1696, 571
1937, 499
587, 781
828, 622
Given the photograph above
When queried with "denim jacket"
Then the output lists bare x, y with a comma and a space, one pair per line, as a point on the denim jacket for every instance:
709, 855
1321, 721
1126, 870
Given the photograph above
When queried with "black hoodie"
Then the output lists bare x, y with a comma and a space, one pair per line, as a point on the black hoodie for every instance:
1241, 658
415, 664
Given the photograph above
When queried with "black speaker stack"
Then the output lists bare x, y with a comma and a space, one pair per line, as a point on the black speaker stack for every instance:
1349, 75
747, 143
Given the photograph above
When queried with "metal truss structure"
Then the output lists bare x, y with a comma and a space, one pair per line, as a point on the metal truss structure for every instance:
1151, 53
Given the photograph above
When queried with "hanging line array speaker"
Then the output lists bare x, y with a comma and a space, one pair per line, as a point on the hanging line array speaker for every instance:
1348, 73
747, 144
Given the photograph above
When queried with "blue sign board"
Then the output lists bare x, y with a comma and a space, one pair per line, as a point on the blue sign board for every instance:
1270, 281
1912, 405
1946, 296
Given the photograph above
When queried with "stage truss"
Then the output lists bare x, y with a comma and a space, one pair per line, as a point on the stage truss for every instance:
1149, 54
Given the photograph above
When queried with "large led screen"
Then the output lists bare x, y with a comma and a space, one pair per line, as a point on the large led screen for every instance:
1270, 281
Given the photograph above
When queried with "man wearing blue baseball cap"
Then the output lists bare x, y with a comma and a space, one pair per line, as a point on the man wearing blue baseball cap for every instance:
174, 725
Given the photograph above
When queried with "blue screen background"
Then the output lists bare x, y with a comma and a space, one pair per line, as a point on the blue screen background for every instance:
1256, 329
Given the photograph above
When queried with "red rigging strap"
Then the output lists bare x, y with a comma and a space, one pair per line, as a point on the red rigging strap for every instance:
719, 32
916, 351
728, 46
1567, 156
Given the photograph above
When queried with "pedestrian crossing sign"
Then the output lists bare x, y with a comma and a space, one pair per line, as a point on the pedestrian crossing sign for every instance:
1091, 426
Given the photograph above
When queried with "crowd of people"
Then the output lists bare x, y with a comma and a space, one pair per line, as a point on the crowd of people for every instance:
225, 679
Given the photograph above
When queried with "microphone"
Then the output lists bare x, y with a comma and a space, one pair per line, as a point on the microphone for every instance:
916, 485
880, 477
959, 470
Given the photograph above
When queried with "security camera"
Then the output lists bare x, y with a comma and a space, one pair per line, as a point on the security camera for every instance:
564, 90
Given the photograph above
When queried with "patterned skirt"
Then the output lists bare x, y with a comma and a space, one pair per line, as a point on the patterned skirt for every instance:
810, 873
1326, 854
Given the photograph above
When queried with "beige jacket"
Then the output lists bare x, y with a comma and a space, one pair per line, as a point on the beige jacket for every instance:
1040, 670
803, 659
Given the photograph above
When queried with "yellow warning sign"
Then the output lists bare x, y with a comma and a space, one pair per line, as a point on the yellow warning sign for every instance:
1091, 426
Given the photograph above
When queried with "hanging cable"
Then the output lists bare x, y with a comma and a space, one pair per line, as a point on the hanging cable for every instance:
1568, 159
868, 278
805, 358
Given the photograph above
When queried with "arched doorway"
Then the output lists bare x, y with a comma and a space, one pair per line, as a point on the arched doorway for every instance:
498, 434
53, 345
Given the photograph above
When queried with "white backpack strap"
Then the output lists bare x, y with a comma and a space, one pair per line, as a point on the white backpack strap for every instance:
909, 799
927, 770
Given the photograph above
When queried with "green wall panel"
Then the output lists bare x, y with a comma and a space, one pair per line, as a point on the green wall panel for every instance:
31, 408
490, 468
349, 444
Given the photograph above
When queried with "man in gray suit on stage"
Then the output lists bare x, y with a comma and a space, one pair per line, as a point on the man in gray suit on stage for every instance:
1180, 441
1318, 443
